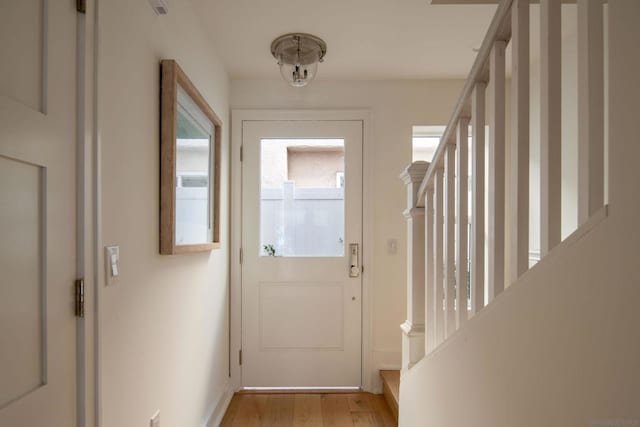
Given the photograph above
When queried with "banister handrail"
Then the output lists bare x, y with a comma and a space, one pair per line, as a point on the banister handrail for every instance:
500, 29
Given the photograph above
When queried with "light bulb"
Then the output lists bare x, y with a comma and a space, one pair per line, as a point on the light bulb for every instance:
298, 75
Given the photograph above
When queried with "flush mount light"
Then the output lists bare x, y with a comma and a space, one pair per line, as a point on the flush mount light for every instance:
298, 55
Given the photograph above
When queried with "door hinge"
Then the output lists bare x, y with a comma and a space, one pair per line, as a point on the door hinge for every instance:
240, 357
81, 6
240, 255
241, 153
79, 286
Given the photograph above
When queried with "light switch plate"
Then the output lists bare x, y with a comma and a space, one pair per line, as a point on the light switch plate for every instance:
112, 262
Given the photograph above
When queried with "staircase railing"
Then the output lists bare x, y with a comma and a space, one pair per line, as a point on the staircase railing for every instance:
441, 251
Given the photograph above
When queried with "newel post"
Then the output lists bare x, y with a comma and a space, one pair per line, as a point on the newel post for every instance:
413, 339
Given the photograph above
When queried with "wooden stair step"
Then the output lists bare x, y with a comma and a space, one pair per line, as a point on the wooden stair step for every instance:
391, 390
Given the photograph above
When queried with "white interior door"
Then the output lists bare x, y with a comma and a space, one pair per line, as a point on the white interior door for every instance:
301, 246
37, 213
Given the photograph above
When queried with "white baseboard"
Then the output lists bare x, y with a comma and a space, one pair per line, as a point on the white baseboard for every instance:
221, 405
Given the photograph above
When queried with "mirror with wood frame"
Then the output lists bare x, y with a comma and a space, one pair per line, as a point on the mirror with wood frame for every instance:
189, 166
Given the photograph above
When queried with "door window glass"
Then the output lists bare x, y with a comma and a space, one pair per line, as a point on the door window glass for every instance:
302, 188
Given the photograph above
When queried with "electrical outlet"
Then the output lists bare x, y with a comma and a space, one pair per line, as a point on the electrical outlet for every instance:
155, 420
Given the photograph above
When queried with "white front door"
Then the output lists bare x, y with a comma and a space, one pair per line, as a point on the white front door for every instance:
37, 213
301, 246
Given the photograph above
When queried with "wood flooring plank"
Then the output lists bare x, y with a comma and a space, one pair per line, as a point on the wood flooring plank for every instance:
335, 411
359, 402
307, 410
279, 411
364, 419
386, 417
232, 409
251, 411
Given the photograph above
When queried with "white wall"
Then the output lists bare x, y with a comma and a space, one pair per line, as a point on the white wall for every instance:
396, 107
561, 346
164, 336
315, 168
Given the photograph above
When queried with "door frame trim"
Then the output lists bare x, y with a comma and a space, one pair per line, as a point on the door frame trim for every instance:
238, 116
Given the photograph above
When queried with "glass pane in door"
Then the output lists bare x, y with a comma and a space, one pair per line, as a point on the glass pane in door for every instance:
302, 190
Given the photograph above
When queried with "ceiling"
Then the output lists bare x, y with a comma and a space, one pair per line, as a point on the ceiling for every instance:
366, 39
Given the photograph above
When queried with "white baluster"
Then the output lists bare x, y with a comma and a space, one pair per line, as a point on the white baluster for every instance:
429, 273
590, 108
449, 239
550, 125
438, 251
477, 201
520, 144
496, 169
462, 213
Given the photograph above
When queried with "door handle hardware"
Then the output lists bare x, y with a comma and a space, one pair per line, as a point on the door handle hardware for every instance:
354, 260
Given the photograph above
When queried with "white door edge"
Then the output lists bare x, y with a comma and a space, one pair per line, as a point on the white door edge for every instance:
81, 226
238, 116
94, 385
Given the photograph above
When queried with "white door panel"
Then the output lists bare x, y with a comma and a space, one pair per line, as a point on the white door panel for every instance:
302, 196
37, 213
22, 50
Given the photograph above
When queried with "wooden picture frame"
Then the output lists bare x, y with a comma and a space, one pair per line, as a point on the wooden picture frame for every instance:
175, 90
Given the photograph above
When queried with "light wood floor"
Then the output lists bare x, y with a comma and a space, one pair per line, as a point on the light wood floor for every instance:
317, 410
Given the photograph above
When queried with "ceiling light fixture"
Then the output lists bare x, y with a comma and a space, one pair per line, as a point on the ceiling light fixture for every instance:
298, 55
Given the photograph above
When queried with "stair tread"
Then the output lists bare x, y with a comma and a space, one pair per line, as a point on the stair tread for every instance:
392, 378
391, 386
